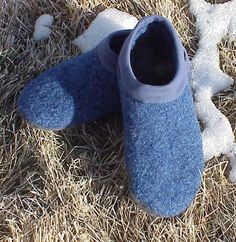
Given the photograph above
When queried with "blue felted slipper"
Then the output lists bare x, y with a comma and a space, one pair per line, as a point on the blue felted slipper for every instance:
78, 90
163, 148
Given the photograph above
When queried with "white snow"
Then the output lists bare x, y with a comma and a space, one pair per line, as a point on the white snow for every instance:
213, 22
42, 28
232, 30
105, 23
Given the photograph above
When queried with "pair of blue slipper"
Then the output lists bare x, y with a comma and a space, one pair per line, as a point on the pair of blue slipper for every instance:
147, 70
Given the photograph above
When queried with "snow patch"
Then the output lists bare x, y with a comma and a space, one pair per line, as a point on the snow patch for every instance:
232, 30
42, 28
213, 22
106, 22
232, 159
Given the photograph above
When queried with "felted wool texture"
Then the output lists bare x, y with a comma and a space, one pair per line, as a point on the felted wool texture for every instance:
163, 153
76, 91
163, 147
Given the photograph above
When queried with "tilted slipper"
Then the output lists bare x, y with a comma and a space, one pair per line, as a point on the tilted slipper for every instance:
163, 148
78, 90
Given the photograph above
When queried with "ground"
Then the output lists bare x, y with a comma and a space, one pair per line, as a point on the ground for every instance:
71, 185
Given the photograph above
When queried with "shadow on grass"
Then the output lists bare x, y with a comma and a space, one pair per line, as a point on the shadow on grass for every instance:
97, 152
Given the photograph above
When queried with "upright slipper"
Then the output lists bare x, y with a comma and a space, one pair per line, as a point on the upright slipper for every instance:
78, 90
163, 148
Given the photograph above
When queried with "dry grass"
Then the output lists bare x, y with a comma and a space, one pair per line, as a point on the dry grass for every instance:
71, 185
